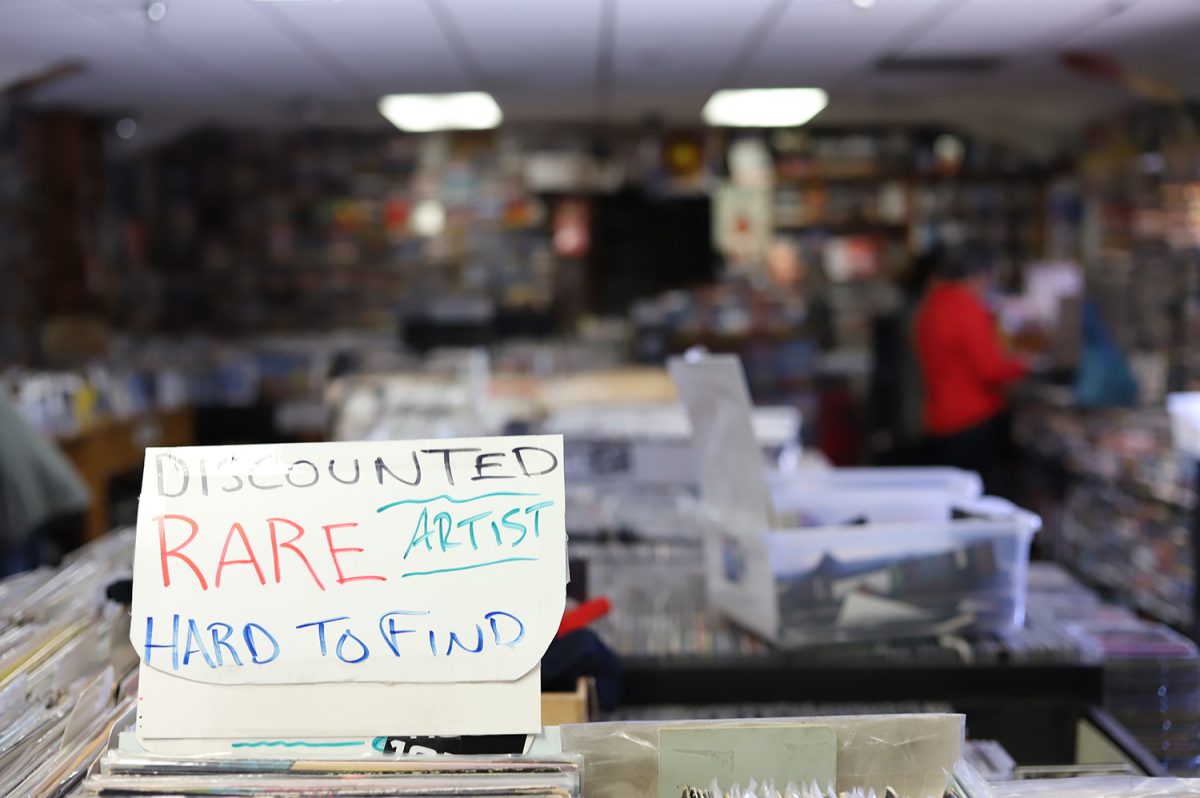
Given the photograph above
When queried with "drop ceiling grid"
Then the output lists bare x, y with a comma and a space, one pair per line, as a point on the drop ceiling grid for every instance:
392, 46
125, 65
233, 60
525, 44
997, 27
680, 43
830, 43
1157, 37
243, 41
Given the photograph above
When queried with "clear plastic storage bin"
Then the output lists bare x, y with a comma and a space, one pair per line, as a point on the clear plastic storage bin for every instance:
804, 506
902, 553
897, 580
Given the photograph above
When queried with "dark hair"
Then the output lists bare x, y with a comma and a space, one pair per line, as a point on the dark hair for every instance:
923, 268
965, 261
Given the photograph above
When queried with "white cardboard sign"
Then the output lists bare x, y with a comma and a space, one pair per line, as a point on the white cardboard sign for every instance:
415, 562
738, 574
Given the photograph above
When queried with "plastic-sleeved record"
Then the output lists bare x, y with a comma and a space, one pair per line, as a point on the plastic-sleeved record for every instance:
493, 785
125, 774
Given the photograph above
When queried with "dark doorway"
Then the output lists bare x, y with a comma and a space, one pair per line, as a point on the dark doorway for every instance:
644, 245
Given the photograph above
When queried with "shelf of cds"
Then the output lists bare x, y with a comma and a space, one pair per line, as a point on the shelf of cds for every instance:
1122, 516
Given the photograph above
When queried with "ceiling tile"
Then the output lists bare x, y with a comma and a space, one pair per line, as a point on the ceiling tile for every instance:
236, 60
239, 41
1157, 37
823, 42
1007, 26
392, 46
522, 44
680, 44
120, 70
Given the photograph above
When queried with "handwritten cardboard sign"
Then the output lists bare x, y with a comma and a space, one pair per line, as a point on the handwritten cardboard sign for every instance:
397, 562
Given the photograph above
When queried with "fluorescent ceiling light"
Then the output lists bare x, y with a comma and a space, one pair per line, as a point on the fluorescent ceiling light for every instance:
424, 113
763, 107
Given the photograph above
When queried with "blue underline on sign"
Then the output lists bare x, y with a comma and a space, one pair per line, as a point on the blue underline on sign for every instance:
453, 500
297, 744
468, 567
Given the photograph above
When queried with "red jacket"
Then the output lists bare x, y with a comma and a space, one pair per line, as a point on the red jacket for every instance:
964, 369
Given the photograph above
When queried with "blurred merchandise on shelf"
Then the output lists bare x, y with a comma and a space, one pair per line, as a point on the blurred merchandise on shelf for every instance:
1119, 502
1140, 179
1095, 787
139, 376
54, 220
1123, 518
1046, 317
597, 345
322, 230
858, 204
446, 396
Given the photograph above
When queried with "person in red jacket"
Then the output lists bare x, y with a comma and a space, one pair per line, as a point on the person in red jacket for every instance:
965, 370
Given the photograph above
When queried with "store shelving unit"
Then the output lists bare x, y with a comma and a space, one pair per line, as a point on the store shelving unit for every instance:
318, 230
917, 186
1121, 516
1127, 517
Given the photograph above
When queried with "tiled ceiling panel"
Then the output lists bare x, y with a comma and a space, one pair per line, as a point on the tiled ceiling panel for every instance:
244, 62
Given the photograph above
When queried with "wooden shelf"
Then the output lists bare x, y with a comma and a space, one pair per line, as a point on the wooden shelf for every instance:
115, 448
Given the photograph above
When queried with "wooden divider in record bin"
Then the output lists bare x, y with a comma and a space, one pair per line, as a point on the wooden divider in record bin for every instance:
561, 708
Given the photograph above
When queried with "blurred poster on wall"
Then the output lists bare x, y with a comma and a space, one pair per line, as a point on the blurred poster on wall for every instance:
683, 160
571, 228
742, 228
850, 258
